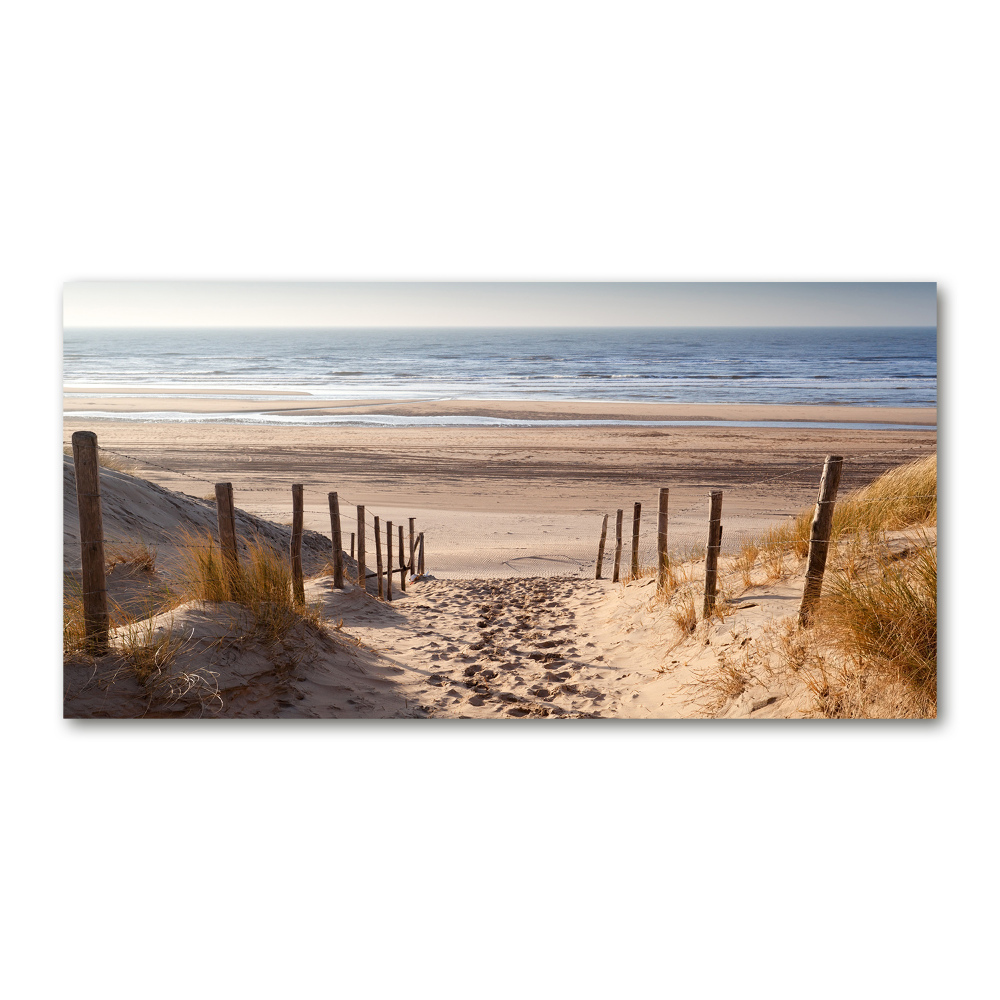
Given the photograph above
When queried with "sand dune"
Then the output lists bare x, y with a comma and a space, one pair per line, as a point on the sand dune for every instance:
555, 647
527, 633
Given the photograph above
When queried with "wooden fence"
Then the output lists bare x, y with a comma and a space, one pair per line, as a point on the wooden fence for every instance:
94, 580
819, 542
95, 601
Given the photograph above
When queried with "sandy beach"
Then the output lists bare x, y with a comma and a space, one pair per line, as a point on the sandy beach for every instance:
510, 501
508, 620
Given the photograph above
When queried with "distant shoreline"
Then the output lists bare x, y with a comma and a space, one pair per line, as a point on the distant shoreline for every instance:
134, 401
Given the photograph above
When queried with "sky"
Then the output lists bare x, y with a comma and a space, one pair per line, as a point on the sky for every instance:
309, 305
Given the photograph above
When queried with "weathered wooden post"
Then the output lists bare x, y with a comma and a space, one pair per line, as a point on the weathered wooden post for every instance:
338, 543
662, 560
420, 554
378, 558
361, 546
413, 547
88, 501
402, 563
352, 544
226, 514
388, 560
635, 540
600, 547
618, 544
819, 536
712, 552
298, 590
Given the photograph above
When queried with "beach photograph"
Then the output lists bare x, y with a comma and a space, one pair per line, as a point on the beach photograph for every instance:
484, 463
500, 500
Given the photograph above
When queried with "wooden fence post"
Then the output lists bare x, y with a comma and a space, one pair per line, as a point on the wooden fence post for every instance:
413, 548
338, 543
226, 513
712, 552
635, 540
361, 546
298, 591
600, 547
618, 544
378, 558
420, 554
388, 560
88, 501
819, 536
662, 560
402, 563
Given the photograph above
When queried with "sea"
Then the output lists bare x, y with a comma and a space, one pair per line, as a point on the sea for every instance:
863, 366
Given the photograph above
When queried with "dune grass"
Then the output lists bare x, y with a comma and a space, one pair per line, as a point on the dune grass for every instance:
900, 498
137, 645
138, 555
146, 649
74, 633
882, 621
872, 649
261, 583
109, 460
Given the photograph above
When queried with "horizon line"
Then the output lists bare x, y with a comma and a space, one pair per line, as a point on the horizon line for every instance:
521, 326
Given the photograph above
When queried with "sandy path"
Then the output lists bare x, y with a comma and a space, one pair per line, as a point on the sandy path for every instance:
508, 648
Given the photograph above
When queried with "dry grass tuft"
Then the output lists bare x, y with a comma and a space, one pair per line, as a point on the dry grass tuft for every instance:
261, 584
883, 623
144, 649
683, 613
74, 634
136, 555
109, 460
713, 689
900, 498
723, 685
773, 562
745, 562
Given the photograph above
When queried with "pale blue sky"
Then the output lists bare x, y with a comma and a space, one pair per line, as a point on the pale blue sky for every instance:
208, 304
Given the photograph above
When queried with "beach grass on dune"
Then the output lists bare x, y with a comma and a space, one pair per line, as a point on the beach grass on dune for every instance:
872, 649
900, 498
109, 460
882, 620
261, 583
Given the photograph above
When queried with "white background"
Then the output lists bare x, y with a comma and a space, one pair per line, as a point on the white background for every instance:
653, 141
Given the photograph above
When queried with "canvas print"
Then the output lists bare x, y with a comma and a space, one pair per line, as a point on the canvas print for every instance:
494, 500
